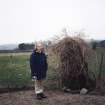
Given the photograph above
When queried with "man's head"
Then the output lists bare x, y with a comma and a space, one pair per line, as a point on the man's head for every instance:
39, 46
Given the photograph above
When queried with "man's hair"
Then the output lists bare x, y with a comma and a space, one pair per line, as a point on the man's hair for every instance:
36, 44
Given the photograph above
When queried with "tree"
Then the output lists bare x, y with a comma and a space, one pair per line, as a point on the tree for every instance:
21, 46
24, 46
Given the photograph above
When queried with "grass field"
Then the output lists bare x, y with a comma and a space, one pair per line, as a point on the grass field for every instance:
15, 69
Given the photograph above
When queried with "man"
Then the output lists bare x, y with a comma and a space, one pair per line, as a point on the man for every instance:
38, 64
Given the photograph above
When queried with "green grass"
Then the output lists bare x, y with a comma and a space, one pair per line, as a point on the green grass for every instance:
15, 69
94, 62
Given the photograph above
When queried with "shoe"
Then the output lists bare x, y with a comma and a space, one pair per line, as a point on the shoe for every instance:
43, 96
39, 96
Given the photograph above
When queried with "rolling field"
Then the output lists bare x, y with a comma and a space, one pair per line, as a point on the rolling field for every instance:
15, 69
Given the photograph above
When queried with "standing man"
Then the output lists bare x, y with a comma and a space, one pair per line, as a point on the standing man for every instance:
38, 65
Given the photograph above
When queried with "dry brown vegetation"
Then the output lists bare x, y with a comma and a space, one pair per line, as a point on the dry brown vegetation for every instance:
73, 67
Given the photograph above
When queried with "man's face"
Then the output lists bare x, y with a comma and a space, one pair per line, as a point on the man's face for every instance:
40, 46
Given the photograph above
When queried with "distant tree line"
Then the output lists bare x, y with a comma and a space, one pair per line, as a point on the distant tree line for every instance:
30, 46
98, 44
25, 46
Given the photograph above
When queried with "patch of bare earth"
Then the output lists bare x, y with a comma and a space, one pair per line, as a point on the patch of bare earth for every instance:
54, 98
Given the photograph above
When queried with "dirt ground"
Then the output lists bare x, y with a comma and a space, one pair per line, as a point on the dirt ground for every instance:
54, 98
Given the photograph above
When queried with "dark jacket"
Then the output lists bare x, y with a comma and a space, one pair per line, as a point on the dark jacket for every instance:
38, 65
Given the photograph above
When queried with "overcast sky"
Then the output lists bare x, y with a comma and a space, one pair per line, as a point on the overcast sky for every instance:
30, 20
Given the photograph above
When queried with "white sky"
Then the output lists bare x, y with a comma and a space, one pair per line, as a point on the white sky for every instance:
30, 20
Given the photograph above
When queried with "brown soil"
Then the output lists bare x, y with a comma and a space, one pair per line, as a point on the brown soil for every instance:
54, 98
